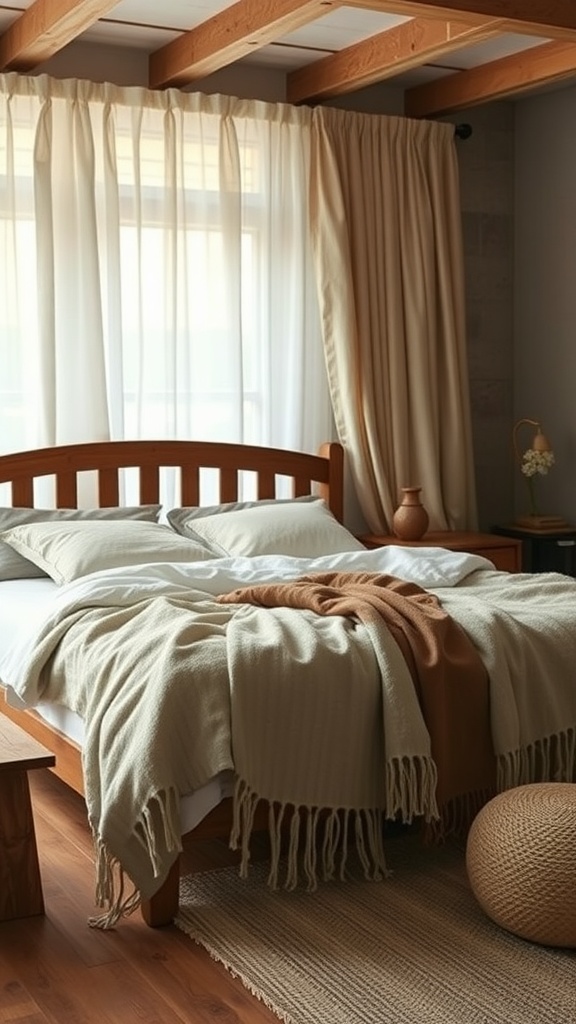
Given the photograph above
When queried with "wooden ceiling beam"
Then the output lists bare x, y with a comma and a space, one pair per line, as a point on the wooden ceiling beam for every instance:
546, 18
509, 76
229, 35
383, 55
46, 27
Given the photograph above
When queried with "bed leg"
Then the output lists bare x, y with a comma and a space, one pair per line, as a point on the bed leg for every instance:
162, 907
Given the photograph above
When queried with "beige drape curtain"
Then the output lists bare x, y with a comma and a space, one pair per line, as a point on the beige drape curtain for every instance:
387, 241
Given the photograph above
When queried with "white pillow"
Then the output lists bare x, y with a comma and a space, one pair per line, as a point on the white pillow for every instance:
67, 550
306, 529
15, 567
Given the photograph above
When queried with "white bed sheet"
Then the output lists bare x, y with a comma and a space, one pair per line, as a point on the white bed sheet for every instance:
23, 600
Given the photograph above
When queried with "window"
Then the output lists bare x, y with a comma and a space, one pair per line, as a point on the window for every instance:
158, 278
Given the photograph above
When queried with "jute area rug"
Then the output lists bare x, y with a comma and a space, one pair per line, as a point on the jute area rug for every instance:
413, 949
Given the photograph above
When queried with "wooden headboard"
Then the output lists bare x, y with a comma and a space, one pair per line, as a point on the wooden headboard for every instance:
322, 473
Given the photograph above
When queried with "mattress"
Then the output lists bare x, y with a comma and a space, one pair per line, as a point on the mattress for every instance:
22, 602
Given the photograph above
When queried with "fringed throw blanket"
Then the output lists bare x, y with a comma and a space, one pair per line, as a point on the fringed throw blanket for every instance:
450, 681
175, 689
150, 682
524, 628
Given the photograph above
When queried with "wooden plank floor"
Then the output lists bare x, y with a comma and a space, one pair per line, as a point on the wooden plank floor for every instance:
56, 970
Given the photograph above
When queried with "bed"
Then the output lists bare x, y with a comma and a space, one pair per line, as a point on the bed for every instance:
197, 584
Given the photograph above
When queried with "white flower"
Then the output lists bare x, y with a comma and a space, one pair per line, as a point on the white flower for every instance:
534, 461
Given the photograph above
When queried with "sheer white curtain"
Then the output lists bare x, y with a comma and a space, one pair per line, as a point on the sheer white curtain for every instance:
156, 277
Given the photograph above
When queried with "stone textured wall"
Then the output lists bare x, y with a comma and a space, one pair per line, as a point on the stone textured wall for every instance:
545, 289
487, 184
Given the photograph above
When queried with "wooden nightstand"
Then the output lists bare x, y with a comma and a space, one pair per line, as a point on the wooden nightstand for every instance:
544, 552
504, 552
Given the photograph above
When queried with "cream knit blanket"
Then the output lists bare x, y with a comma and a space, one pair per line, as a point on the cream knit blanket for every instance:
327, 729
524, 627
151, 681
448, 676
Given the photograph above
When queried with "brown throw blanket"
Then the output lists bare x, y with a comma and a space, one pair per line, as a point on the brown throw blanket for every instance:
448, 674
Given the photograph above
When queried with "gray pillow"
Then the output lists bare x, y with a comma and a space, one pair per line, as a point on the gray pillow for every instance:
14, 566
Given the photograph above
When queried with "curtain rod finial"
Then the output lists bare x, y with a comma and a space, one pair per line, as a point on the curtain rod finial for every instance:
463, 131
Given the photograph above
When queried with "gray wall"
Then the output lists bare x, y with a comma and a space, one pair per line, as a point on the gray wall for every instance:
487, 167
545, 287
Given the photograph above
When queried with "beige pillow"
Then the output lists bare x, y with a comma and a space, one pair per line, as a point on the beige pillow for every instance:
15, 567
306, 529
181, 519
67, 550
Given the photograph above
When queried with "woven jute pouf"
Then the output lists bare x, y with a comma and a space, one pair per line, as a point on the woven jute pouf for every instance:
521, 861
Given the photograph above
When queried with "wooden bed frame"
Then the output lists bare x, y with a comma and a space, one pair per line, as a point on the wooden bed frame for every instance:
322, 474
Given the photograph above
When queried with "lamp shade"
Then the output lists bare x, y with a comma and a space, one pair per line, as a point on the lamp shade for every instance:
540, 442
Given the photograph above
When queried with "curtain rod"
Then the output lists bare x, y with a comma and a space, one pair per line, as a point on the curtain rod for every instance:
462, 131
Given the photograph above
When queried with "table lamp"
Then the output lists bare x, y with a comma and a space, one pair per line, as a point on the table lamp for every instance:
534, 462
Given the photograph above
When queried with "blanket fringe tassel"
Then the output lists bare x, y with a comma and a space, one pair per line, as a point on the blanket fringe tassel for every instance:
411, 789
110, 889
318, 838
551, 759
158, 824
456, 817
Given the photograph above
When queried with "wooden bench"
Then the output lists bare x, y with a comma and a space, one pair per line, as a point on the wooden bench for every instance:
20, 882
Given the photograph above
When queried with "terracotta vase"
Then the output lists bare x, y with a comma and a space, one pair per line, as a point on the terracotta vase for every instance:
410, 520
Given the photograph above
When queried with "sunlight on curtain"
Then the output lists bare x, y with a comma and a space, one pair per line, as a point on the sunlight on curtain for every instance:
157, 274
387, 236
